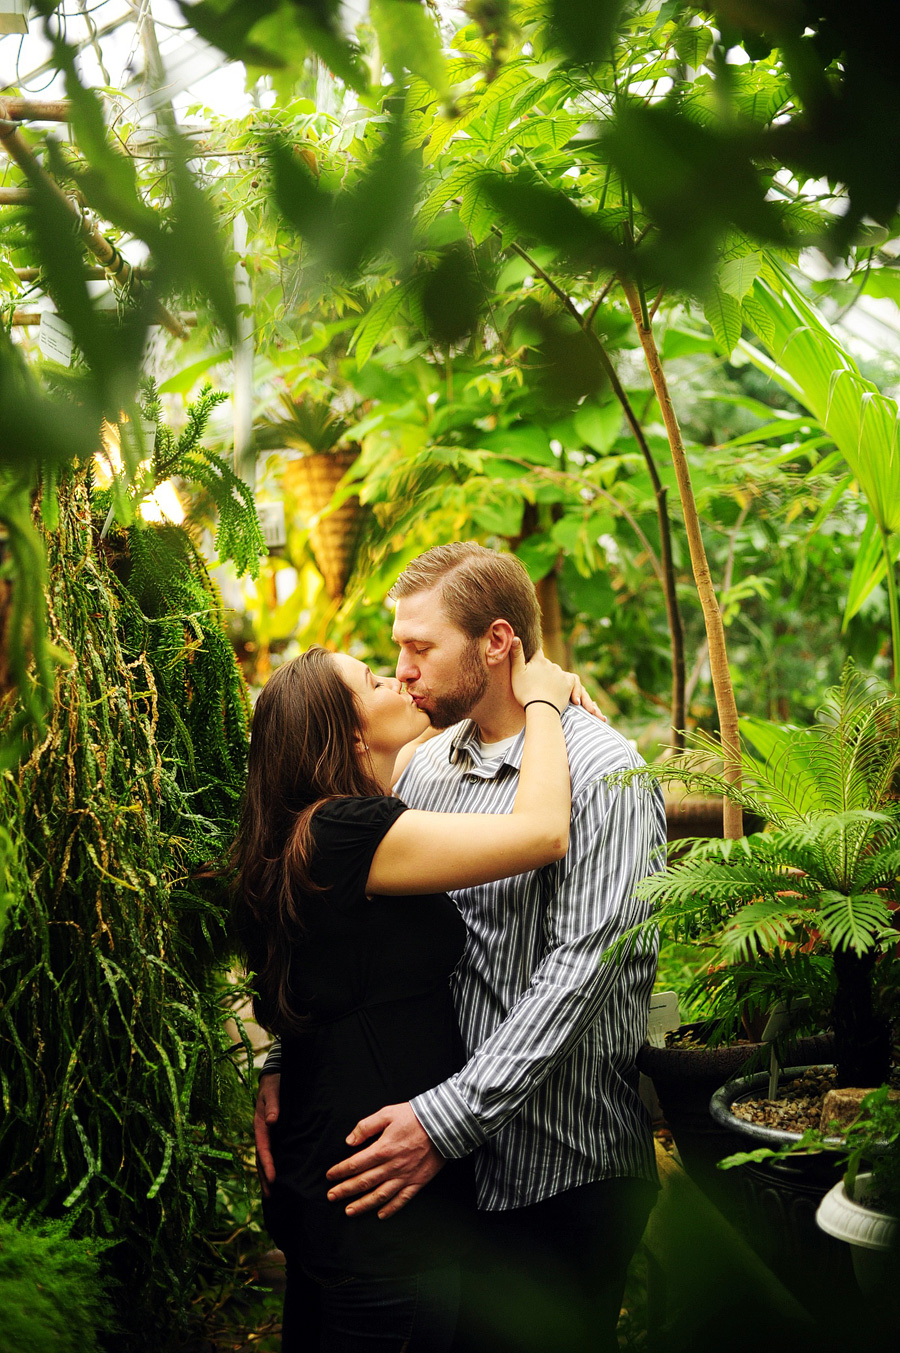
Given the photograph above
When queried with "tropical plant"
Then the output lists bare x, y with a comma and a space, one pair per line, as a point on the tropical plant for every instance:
864, 424
306, 425
872, 1138
821, 882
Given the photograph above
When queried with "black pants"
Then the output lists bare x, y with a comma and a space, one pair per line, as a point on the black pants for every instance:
411, 1314
549, 1278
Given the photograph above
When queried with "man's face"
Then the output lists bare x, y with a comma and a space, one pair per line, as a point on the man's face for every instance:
444, 670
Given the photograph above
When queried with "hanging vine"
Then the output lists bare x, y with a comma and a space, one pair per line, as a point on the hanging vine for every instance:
121, 1094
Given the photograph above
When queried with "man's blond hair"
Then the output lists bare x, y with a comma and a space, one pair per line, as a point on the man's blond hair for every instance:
476, 586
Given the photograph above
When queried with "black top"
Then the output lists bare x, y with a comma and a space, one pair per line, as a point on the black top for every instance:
372, 975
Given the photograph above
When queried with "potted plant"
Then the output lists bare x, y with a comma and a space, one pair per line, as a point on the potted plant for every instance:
861, 1210
804, 908
318, 433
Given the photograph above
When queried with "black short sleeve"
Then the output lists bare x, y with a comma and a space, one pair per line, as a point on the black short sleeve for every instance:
347, 833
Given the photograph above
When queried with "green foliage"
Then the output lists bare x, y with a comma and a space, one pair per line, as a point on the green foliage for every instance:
121, 1094
51, 1291
873, 1139
822, 882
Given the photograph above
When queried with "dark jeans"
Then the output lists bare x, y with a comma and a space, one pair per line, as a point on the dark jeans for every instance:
411, 1314
549, 1278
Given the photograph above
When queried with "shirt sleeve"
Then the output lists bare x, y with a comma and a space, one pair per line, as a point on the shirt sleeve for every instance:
347, 833
615, 840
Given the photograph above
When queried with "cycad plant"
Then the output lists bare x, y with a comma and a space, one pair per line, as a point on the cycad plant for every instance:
805, 906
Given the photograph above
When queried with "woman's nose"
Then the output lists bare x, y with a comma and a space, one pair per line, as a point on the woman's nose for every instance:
394, 683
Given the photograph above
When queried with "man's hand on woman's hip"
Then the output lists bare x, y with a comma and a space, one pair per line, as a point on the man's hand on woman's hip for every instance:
391, 1170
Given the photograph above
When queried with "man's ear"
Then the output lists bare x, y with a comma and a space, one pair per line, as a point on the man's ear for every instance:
498, 641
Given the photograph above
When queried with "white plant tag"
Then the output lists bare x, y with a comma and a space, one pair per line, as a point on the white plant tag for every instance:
55, 338
272, 524
663, 1017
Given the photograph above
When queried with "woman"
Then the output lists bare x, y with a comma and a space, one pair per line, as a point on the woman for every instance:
341, 909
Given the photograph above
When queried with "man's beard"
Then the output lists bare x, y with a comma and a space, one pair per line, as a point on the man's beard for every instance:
446, 710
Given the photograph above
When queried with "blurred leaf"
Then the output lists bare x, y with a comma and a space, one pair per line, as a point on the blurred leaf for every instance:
278, 34
521, 442
191, 252
348, 228
409, 41
539, 555
693, 182
553, 218
584, 29
452, 295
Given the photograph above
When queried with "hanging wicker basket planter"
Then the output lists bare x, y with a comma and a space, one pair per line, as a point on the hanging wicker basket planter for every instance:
333, 537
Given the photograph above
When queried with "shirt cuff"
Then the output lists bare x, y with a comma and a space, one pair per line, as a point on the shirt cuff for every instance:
272, 1065
450, 1123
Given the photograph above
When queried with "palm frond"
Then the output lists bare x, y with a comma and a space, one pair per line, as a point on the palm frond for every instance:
761, 927
857, 921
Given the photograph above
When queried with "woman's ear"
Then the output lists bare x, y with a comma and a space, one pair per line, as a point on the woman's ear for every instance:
499, 640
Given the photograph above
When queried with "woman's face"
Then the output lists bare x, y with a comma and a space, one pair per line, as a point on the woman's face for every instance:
391, 718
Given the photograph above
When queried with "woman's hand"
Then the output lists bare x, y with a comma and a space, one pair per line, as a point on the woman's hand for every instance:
539, 679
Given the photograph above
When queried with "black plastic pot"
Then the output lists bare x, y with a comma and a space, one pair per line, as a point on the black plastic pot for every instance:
685, 1079
779, 1203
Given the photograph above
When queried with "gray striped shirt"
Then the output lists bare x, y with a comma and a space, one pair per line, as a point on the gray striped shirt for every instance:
550, 1091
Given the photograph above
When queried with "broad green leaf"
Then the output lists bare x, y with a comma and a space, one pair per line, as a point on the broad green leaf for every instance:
852, 922
476, 210
738, 274
521, 442
379, 321
724, 315
869, 568
782, 427
598, 425
692, 45
539, 554
449, 188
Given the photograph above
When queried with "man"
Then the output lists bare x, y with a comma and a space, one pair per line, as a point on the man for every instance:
548, 1100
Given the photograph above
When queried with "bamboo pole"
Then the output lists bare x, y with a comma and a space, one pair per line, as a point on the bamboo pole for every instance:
97, 274
105, 252
37, 110
712, 616
25, 318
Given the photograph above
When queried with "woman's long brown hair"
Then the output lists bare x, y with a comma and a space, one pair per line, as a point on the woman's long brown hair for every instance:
304, 749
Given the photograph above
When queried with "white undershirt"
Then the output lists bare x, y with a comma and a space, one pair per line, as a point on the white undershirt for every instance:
493, 752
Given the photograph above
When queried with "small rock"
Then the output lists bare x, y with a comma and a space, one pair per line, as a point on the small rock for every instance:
840, 1108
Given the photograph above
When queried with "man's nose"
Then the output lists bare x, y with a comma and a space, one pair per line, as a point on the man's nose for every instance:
406, 670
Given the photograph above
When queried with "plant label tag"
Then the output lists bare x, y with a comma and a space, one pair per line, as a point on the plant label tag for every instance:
55, 338
272, 524
783, 1016
663, 1017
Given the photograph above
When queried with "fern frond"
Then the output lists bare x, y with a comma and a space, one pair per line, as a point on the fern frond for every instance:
854, 922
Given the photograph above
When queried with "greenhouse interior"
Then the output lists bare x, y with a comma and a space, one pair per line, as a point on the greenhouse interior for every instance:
449, 676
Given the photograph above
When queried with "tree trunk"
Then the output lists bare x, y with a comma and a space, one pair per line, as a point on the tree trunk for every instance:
715, 630
555, 645
862, 1042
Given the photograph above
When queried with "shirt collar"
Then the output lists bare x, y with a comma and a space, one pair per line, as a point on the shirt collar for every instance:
465, 746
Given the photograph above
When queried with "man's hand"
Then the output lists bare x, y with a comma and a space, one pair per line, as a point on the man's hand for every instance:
268, 1103
386, 1174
